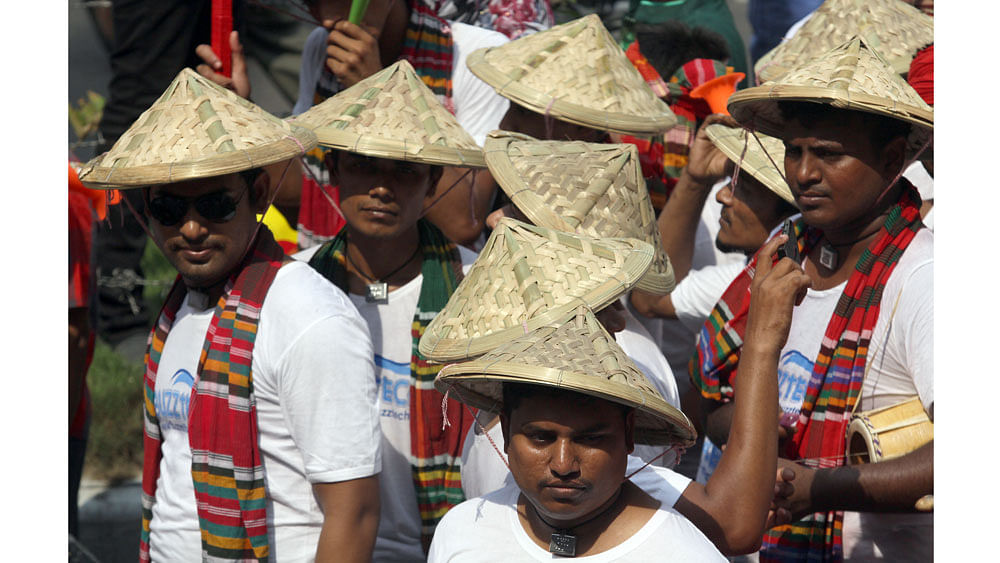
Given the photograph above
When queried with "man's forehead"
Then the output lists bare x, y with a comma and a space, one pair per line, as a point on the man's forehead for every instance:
198, 186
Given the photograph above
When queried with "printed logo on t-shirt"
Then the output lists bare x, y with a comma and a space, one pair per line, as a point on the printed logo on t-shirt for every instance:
394, 388
794, 372
172, 401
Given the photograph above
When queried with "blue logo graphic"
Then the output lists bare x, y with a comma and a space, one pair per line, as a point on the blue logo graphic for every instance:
794, 372
172, 403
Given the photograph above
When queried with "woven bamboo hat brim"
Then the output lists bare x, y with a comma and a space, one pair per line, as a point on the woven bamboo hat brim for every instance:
852, 76
760, 156
574, 72
393, 114
196, 129
894, 28
592, 189
526, 277
578, 355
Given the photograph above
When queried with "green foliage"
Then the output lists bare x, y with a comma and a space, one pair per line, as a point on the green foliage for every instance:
114, 447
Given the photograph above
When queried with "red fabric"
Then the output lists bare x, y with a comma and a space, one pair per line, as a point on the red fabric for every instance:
316, 215
81, 285
921, 75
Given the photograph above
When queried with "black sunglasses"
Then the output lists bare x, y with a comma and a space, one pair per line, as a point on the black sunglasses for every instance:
217, 207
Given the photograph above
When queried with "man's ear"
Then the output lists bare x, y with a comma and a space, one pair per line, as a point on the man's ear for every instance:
505, 430
434, 177
262, 190
894, 157
630, 431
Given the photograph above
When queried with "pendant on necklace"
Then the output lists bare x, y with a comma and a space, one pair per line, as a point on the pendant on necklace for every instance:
378, 292
828, 256
563, 544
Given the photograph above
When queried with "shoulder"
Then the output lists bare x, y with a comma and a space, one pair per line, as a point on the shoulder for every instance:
300, 297
913, 276
475, 525
470, 37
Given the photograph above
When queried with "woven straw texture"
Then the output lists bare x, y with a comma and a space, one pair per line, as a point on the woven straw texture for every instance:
526, 277
576, 354
393, 114
577, 73
896, 29
760, 156
852, 76
196, 129
585, 188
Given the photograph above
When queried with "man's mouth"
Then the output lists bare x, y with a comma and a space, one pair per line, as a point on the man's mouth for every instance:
379, 211
197, 255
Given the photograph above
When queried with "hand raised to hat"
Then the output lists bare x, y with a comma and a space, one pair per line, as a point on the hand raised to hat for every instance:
240, 81
706, 163
352, 52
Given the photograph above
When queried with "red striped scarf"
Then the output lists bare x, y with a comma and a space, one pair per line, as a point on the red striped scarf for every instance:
428, 46
435, 451
222, 424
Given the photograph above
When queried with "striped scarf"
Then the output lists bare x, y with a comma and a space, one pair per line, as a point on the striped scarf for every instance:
837, 376
428, 47
435, 449
222, 425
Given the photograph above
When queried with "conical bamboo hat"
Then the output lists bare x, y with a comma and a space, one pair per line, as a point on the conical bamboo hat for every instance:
196, 129
393, 114
760, 155
575, 354
852, 76
894, 28
593, 189
528, 276
574, 72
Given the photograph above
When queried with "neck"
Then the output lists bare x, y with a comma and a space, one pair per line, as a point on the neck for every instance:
601, 514
389, 260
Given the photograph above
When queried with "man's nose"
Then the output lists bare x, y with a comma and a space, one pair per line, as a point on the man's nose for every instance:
192, 226
565, 462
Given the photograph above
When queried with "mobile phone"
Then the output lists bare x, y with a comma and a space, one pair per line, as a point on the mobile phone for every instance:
791, 247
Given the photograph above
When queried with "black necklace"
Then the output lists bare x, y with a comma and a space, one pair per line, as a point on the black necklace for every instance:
828, 254
378, 290
563, 541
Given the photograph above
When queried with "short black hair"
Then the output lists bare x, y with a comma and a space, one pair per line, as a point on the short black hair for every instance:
671, 44
882, 128
515, 393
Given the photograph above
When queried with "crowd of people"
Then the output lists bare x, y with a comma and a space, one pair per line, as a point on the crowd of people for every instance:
529, 261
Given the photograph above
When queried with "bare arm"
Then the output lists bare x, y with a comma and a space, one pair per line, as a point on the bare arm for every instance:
459, 209
679, 218
732, 508
350, 519
888, 486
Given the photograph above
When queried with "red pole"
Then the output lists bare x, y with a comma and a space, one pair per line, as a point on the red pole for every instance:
222, 26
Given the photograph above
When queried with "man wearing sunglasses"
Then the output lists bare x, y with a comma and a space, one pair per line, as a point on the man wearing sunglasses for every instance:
261, 433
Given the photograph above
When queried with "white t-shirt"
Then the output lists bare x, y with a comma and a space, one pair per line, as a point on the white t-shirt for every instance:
391, 326
901, 365
696, 295
478, 108
315, 386
488, 529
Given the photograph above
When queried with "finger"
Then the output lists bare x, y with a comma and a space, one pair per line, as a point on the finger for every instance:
341, 55
782, 516
722, 118
493, 218
236, 49
208, 55
786, 474
351, 30
766, 254
328, 24
210, 74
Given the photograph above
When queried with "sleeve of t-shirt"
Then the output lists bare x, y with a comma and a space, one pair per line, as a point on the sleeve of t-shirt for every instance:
699, 291
478, 108
328, 396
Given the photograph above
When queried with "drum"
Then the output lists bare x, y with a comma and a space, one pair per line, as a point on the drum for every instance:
888, 432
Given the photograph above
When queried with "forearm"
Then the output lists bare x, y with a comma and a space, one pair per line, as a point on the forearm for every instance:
678, 222
653, 306
350, 520
889, 486
461, 203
